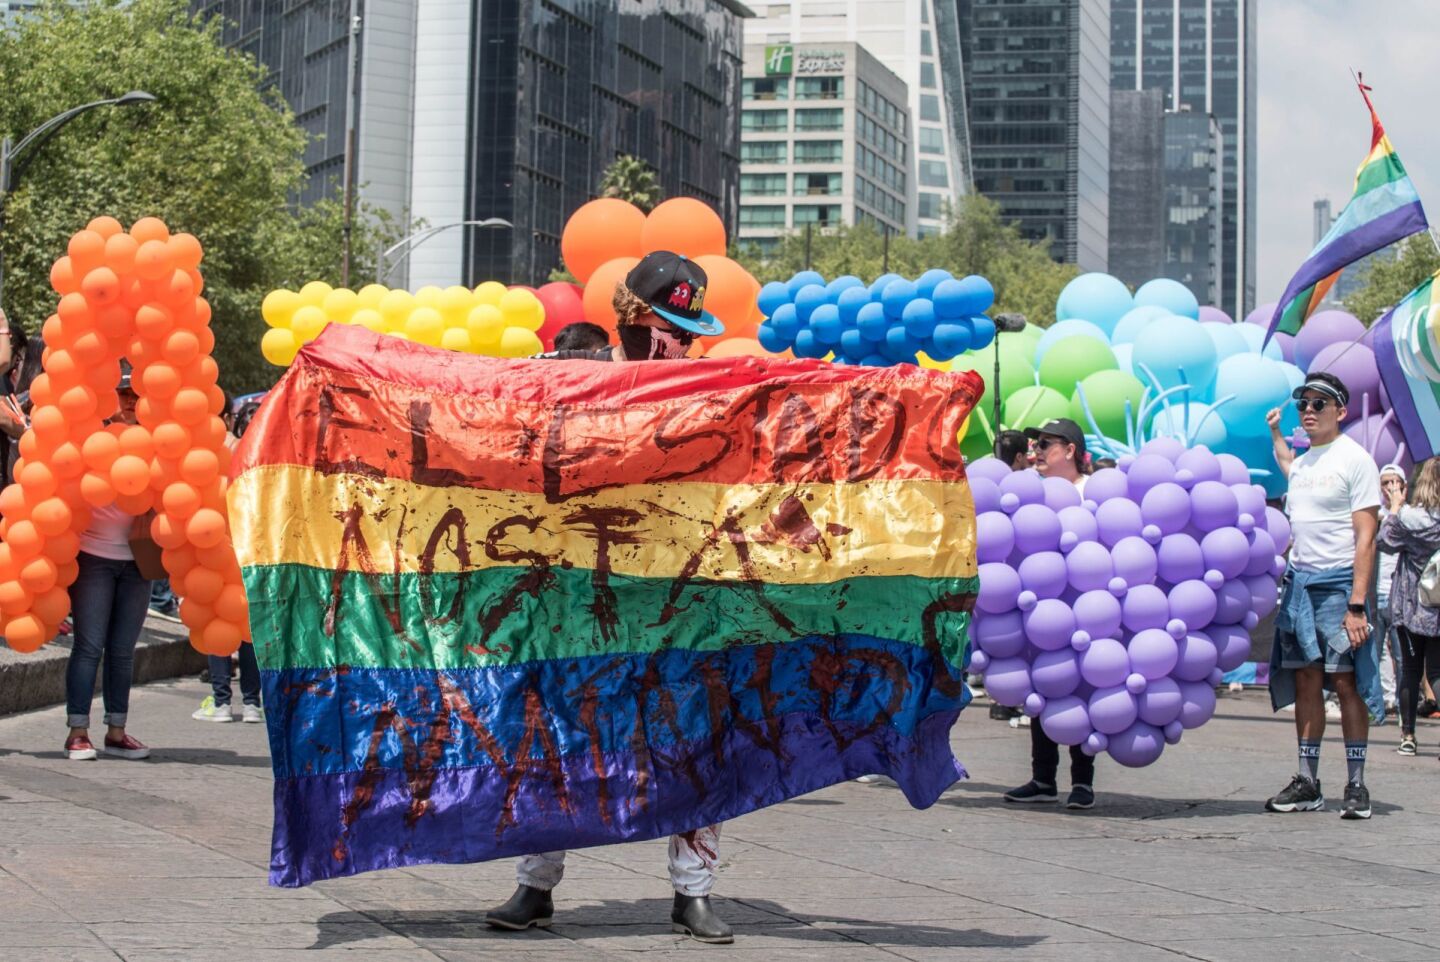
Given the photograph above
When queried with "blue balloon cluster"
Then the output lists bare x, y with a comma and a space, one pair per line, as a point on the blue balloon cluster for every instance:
889, 322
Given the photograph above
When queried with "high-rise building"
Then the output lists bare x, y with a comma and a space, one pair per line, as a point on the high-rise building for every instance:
1192, 185
1201, 54
1323, 219
13, 10
1038, 87
824, 140
1137, 188
466, 111
919, 40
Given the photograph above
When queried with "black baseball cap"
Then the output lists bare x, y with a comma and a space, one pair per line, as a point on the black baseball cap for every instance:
674, 287
1060, 428
1323, 382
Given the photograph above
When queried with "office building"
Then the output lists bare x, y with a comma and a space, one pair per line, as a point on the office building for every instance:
12, 10
824, 140
1201, 54
1038, 86
466, 111
1323, 220
1137, 188
919, 41
1193, 199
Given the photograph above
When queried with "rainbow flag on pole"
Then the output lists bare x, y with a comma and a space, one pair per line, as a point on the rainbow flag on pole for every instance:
1407, 348
1383, 209
513, 606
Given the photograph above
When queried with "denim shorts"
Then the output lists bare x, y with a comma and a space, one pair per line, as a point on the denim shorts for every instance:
1335, 658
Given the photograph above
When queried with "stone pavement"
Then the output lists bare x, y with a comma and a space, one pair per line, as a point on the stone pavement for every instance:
165, 860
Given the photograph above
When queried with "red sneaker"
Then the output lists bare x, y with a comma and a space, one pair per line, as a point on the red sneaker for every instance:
126, 747
79, 749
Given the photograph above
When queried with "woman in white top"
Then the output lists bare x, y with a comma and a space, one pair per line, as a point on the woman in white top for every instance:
108, 602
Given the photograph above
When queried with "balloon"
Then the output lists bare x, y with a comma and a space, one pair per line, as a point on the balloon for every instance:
1167, 506
1077, 524
1161, 701
1116, 520
1193, 422
1197, 657
600, 231
1134, 560
1080, 358
1323, 329
1153, 653
1144, 606
1147, 471
1133, 322
1180, 559
599, 297
1036, 528
1105, 663
1055, 674
999, 587
1088, 566
1175, 351
1258, 386
1194, 603
1064, 331
1060, 494
1137, 746
1065, 720
1105, 484
1213, 315
731, 292
1355, 365
1032, 407
1106, 392
737, 347
685, 226
1381, 438
1044, 573
1097, 613
1027, 487
1226, 550
1049, 624
1197, 704
1171, 295
1112, 710
994, 536
1001, 636
1227, 339
1098, 298
1007, 680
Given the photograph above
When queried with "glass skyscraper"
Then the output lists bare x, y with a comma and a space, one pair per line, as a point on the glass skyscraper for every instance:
1037, 81
1202, 55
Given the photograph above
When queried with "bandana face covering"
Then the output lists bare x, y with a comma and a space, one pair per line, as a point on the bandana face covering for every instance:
642, 343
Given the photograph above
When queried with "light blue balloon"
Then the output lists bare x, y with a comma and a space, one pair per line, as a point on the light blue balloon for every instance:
1171, 295
1258, 384
1255, 336
1134, 321
1122, 356
1257, 452
1177, 351
1289, 416
1228, 340
1209, 431
803, 279
1293, 374
1072, 328
1098, 298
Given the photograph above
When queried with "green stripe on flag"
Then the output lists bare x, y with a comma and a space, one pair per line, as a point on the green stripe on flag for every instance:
1293, 317
1378, 173
304, 617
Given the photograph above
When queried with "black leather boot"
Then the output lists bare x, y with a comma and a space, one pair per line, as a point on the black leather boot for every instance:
527, 907
693, 916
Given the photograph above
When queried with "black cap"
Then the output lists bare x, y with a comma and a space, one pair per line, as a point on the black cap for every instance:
1323, 382
1060, 428
674, 287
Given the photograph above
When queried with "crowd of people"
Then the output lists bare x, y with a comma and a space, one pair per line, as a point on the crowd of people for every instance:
1362, 538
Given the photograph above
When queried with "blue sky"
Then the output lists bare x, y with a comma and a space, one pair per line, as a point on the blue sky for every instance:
1313, 128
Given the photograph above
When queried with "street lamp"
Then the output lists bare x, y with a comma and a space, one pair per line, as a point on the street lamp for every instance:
1004, 324
420, 237
14, 160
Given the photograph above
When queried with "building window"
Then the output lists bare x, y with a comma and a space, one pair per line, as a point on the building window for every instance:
823, 215
754, 121
824, 118
762, 216
927, 75
763, 152
930, 208
932, 140
819, 151
819, 88
817, 184
926, 47
930, 108
766, 88
933, 173
761, 185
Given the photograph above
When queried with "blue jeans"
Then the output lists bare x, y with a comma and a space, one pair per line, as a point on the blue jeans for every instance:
161, 597
108, 601
249, 677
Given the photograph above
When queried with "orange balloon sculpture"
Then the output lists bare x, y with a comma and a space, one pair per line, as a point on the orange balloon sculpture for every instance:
600, 291
600, 231
134, 295
686, 226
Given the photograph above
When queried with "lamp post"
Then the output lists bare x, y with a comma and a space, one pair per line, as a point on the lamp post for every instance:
14, 159
1007, 324
420, 237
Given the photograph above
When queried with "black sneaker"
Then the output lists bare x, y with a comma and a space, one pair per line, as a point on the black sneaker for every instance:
1357, 802
1081, 796
1301, 795
1002, 712
1407, 746
1032, 791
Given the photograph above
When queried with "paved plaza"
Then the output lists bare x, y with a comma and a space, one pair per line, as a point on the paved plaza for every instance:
166, 859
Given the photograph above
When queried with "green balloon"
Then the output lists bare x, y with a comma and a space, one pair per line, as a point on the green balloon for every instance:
1016, 369
1073, 359
1106, 392
1031, 407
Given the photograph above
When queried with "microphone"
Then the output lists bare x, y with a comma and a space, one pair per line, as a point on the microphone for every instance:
1010, 323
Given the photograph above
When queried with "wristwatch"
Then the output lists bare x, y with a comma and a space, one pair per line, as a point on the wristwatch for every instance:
1355, 609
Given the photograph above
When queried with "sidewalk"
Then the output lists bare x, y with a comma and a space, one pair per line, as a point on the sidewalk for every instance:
166, 859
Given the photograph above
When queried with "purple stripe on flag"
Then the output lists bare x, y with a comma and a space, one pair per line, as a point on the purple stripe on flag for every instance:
1398, 387
478, 813
1346, 250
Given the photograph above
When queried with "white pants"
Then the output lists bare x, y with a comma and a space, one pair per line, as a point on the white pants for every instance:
693, 857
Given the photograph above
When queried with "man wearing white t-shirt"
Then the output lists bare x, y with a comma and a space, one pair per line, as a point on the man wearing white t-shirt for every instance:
1323, 637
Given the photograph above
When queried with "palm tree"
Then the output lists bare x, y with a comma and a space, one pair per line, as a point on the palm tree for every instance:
630, 178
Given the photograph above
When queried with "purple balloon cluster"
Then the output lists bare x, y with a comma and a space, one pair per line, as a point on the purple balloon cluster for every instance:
1111, 619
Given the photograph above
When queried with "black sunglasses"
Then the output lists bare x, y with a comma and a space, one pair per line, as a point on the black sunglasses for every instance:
1316, 404
1041, 444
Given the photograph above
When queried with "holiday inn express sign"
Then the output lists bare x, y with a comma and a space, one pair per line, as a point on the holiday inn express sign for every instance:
782, 59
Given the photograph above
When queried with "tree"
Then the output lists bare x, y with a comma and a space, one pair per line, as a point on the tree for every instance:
630, 178
1388, 279
214, 156
975, 241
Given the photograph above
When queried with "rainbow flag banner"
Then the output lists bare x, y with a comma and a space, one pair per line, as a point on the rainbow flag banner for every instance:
1407, 349
1383, 209
514, 606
